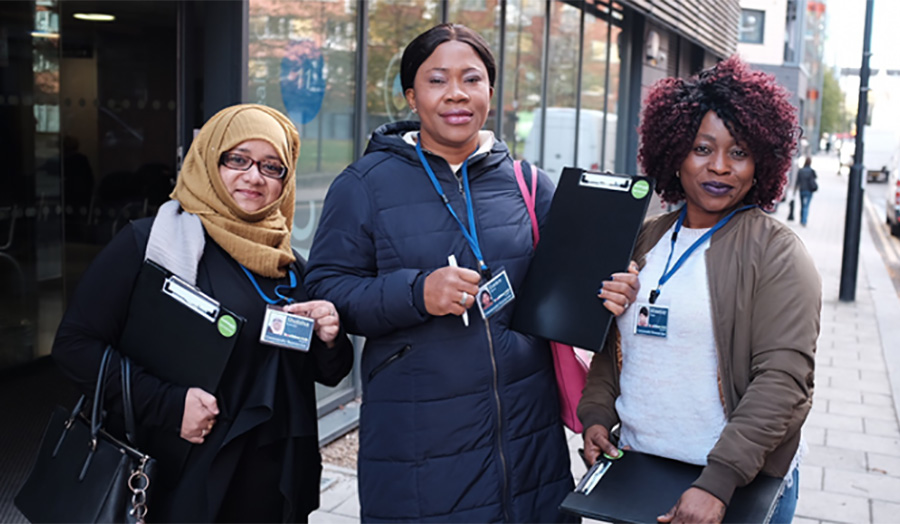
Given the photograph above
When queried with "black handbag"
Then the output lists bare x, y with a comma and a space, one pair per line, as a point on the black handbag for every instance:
84, 474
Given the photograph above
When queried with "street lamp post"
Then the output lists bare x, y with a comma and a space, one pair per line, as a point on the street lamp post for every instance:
853, 221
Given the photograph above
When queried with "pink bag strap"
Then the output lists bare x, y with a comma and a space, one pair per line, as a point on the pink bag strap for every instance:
529, 197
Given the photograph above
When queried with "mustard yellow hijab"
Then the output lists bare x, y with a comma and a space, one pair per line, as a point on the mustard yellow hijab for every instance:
261, 241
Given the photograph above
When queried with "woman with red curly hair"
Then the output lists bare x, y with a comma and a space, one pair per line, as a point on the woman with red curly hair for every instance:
722, 376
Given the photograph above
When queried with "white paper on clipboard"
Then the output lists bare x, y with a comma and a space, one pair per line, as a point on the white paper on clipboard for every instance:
191, 297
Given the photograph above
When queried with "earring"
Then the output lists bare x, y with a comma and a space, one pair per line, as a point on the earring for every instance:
754, 181
414, 110
677, 174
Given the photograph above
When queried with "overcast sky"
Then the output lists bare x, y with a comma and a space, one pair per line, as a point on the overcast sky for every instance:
846, 24
843, 48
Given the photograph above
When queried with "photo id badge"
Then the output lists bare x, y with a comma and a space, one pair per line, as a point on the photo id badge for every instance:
286, 330
650, 319
494, 295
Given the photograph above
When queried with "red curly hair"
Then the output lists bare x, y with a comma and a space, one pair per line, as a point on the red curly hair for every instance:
754, 108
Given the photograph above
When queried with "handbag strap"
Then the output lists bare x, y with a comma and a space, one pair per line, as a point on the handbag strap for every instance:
127, 404
97, 414
529, 197
97, 409
76, 410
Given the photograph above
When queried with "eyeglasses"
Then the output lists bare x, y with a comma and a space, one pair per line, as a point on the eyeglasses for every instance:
267, 168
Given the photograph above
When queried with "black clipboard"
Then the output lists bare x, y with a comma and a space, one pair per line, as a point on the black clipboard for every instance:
638, 487
590, 234
176, 331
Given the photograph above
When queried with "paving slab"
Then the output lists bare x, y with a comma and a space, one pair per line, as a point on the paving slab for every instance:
871, 485
834, 421
885, 512
833, 507
860, 441
884, 428
830, 457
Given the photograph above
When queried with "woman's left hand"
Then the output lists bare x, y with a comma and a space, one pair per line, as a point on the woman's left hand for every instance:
621, 290
328, 323
695, 505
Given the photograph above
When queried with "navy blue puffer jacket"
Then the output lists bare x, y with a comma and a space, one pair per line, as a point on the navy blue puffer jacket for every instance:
458, 423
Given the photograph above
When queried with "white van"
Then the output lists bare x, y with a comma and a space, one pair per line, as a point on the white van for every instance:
881, 153
559, 149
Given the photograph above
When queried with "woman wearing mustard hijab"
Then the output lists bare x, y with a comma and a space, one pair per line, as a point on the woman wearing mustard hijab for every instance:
247, 452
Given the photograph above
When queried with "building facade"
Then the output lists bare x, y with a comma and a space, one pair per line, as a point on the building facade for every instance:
786, 38
96, 114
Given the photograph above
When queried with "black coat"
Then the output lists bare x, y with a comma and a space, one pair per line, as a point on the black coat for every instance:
463, 421
266, 398
806, 179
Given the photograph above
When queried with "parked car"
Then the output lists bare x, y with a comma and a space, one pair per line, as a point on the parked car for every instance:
892, 206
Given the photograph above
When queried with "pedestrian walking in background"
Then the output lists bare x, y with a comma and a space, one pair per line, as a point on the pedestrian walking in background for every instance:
806, 185
248, 452
460, 422
726, 379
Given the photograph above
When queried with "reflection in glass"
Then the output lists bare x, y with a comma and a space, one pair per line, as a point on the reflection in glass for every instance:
392, 25
522, 72
303, 63
599, 95
752, 25
30, 201
562, 89
481, 16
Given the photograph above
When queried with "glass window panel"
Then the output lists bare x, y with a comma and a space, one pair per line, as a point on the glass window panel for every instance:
599, 95
752, 25
522, 75
392, 25
481, 16
31, 198
302, 61
562, 89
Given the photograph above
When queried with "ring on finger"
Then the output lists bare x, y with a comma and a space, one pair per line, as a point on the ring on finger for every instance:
465, 297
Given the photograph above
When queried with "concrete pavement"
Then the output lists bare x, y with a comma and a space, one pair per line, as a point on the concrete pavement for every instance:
852, 471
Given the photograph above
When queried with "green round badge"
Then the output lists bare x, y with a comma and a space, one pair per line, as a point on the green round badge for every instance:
640, 189
617, 457
227, 325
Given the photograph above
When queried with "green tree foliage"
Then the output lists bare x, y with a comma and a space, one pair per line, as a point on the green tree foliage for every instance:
834, 115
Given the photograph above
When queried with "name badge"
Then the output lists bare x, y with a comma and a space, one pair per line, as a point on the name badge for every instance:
494, 295
650, 319
286, 330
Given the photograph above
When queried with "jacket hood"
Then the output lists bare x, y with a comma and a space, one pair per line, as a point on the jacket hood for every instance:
388, 138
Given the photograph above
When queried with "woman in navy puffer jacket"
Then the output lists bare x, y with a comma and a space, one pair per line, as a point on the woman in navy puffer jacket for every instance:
459, 423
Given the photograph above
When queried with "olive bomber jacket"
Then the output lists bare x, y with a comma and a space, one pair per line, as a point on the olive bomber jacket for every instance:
766, 298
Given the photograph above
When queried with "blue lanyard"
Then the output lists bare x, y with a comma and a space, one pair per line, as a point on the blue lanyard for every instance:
470, 232
684, 256
265, 297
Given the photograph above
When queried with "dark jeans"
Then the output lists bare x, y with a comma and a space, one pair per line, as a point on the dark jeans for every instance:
805, 197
